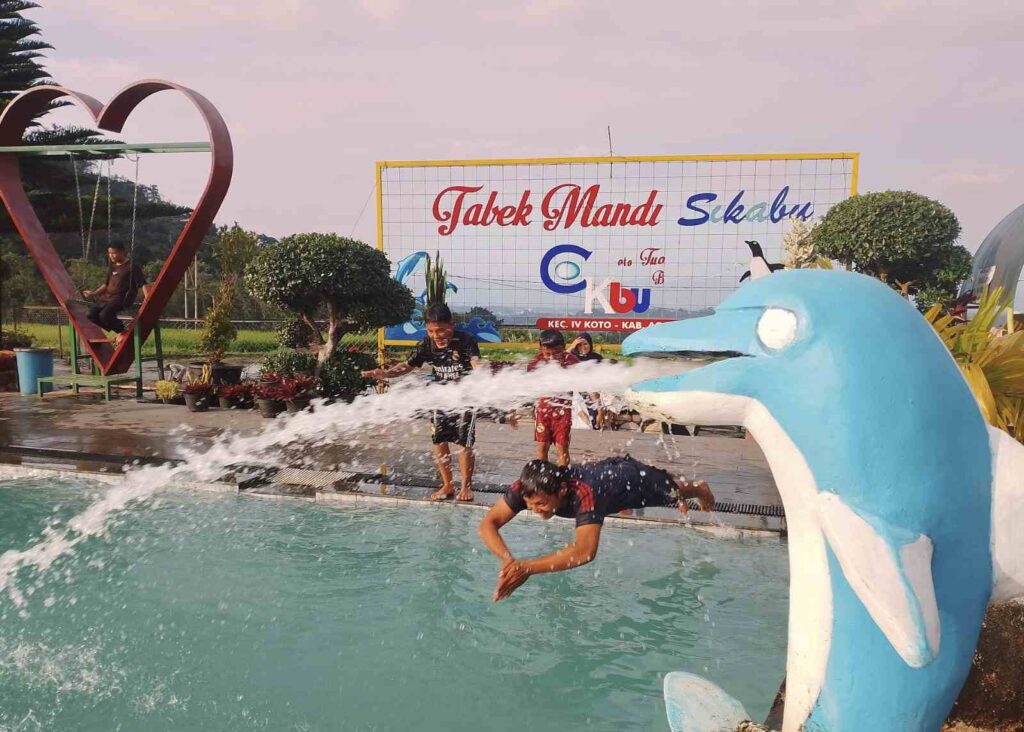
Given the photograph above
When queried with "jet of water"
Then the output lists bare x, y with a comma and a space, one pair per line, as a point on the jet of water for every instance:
406, 399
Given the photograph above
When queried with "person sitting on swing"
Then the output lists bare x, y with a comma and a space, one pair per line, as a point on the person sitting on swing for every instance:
124, 280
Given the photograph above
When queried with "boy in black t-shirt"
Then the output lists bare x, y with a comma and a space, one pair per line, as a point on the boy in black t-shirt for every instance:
588, 493
451, 354
118, 291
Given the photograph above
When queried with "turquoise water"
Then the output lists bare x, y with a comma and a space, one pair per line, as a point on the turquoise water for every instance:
221, 612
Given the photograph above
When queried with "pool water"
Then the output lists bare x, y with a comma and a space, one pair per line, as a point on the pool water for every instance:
207, 611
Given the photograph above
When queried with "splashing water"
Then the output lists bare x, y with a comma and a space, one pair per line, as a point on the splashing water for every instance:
406, 399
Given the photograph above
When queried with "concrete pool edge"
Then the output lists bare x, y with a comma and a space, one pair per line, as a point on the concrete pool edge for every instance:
11, 471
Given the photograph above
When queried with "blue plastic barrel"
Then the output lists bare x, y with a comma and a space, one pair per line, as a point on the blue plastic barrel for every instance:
33, 363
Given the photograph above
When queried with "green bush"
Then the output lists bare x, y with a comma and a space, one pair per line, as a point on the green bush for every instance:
340, 376
904, 239
11, 339
294, 333
288, 362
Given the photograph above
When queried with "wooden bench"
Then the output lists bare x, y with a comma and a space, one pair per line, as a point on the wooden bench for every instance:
76, 380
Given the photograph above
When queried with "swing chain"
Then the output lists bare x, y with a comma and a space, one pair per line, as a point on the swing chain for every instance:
110, 204
92, 215
78, 195
135, 204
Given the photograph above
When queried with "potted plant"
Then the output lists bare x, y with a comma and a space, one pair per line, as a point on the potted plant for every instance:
198, 395
218, 332
270, 377
199, 392
8, 370
269, 399
296, 392
247, 398
234, 396
234, 248
169, 392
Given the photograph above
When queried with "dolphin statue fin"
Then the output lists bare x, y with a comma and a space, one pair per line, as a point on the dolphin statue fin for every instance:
890, 570
1007, 516
694, 704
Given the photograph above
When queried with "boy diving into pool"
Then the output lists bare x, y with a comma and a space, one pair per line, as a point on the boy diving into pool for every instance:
588, 493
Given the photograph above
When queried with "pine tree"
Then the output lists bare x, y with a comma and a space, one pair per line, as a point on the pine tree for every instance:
49, 180
64, 205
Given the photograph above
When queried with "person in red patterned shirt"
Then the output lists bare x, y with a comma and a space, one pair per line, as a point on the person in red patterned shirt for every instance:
587, 493
553, 414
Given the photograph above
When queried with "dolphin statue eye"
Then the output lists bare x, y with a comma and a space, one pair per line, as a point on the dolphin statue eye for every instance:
776, 328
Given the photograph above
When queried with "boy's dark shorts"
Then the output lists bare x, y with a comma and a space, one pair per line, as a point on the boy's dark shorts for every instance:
457, 427
656, 486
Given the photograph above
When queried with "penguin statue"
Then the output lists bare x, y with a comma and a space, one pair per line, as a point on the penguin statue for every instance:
759, 266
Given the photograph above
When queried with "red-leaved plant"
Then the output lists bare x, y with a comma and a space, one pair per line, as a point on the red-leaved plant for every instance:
274, 391
297, 387
235, 391
202, 388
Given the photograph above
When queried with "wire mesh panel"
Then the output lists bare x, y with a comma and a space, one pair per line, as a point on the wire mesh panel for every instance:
600, 240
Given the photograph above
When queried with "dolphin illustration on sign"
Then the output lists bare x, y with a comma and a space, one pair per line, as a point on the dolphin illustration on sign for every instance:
899, 498
414, 330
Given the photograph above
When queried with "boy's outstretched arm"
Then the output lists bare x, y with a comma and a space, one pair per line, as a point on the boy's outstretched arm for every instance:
389, 373
580, 552
499, 515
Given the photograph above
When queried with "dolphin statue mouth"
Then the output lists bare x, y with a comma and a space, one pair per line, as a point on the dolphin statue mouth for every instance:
715, 352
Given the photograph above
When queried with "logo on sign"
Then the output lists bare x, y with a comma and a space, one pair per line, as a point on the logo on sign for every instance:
563, 275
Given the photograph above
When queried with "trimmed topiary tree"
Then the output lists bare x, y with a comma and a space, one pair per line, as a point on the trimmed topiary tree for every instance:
294, 333
904, 239
946, 280
343, 280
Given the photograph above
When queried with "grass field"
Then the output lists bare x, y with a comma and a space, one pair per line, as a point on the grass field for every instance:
182, 342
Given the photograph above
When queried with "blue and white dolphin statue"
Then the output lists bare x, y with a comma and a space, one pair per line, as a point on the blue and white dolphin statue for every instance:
902, 505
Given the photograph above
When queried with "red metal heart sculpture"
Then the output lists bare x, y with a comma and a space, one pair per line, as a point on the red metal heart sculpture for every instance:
18, 116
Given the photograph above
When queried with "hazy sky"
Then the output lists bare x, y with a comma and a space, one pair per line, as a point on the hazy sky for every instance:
315, 91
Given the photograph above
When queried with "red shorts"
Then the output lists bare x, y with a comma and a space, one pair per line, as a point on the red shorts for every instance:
554, 421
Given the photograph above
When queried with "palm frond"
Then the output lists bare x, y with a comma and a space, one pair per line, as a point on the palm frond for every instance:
992, 361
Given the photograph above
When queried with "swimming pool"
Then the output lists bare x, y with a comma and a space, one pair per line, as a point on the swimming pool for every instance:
207, 611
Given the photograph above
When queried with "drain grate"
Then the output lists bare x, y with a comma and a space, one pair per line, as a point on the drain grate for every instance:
311, 478
750, 509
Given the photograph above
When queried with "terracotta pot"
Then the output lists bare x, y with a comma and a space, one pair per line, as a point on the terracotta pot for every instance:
297, 405
270, 408
197, 402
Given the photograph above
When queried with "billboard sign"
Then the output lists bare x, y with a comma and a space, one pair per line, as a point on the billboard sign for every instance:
601, 239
